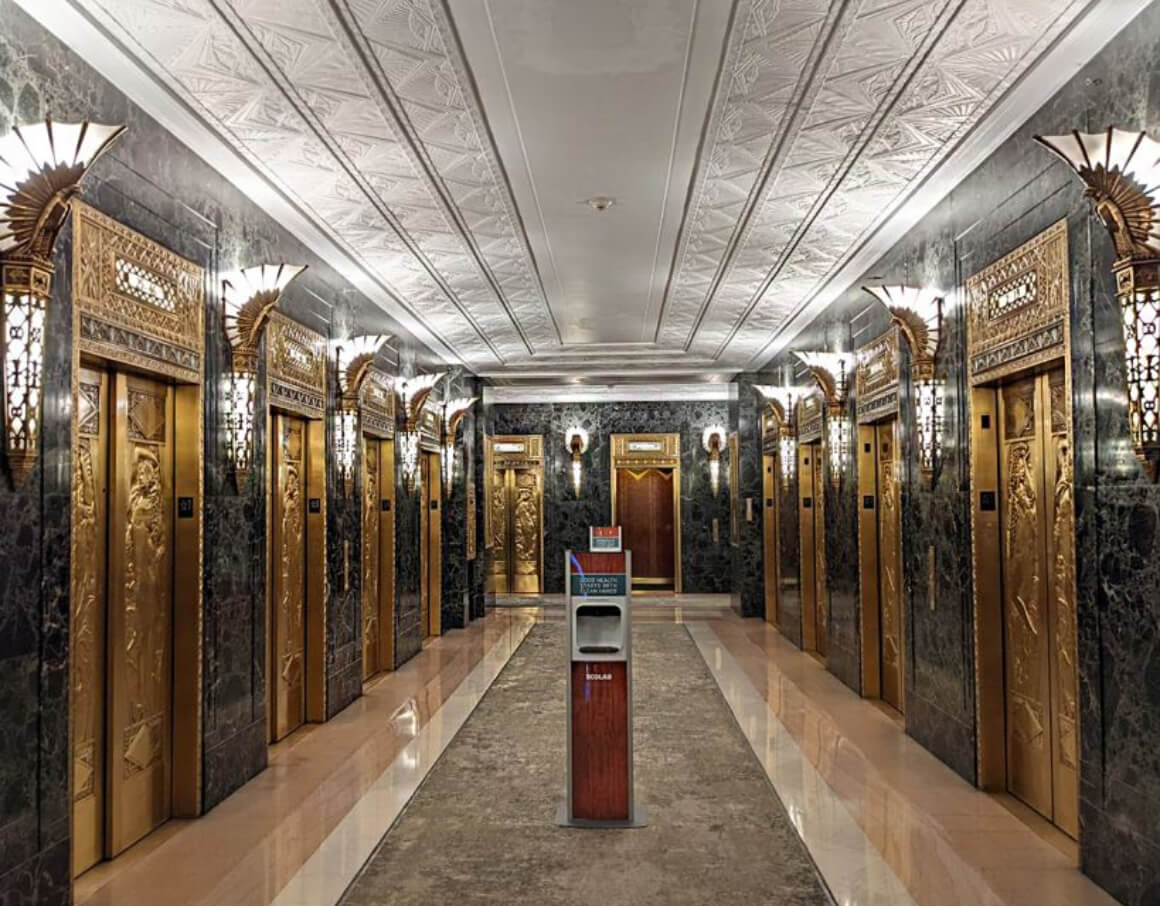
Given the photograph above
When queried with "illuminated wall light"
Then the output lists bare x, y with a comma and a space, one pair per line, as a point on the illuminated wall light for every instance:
249, 296
412, 394
1121, 171
41, 166
783, 401
713, 439
577, 439
918, 312
454, 411
352, 357
832, 371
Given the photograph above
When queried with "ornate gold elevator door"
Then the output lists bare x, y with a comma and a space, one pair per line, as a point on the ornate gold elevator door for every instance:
516, 498
140, 615
431, 550
1038, 569
890, 624
769, 530
815, 600
378, 556
288, 582
90, 527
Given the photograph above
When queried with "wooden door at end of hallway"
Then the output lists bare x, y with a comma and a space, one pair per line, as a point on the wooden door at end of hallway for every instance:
288, 579
645, 511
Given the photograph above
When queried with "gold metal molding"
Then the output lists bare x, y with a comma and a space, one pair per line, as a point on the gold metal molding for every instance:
876, 378
471, 548
810, 418
429, 427
136, 303
1017, 309
378, 404
295, 367
770, 429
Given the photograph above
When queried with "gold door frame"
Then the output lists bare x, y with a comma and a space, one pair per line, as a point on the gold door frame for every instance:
809, 450
520, 451
771, 427
656, 451
877, 380
296, 385
377, 415
141, 308
1017, 313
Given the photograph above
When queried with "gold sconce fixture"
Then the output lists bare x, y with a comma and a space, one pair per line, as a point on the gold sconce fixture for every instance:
353, 357
713, 439
918, 314
248, 297
412, 393
577, 446
454, 411
41, 167
783, 401
832, 371
1121, 170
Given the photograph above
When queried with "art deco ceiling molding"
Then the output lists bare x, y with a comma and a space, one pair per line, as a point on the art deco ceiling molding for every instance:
832, 127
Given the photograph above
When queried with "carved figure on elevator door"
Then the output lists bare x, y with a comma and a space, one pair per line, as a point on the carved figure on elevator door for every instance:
1024, 620
891, 644
145, 550
1064, 584
370, 560
84, 640
291, 566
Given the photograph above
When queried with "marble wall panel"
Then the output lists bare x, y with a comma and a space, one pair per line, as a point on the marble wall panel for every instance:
749, 571
153, 184
457, 578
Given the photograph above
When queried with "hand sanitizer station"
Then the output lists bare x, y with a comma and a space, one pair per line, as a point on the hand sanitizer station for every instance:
599, 612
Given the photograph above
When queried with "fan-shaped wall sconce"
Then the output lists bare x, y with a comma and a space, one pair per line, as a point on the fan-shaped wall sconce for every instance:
713, 440
918, 314
783, 401
248, 297
577, 439
832, 372
412, 394
353, 358
454, 411
1121, 170
41, 167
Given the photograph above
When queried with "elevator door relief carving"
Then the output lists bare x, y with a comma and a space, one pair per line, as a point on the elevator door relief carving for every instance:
136, 302
513, 514
370, 558
821, 593
140, 610
289, 631
890, 564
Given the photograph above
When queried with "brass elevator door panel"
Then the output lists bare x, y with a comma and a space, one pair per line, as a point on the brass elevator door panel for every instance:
372, 661
516, 502
890, 565
90, 526
821, 595
140, 618
769, 529
288, 689
812, 542
1038, 573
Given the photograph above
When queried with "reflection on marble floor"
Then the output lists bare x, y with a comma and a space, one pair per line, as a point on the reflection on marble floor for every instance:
868, 797
884, 820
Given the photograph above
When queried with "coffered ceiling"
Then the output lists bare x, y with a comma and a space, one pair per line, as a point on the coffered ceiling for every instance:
440, 153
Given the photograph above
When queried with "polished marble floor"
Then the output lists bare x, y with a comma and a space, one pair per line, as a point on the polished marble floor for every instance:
883, 820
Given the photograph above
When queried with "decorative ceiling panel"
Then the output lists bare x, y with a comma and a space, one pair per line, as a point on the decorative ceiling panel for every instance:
825, 119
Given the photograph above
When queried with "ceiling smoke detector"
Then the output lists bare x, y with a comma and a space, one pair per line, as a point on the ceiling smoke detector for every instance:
599, 202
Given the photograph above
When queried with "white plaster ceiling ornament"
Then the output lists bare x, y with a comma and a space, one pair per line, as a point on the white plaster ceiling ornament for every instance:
832, 371
365, 116
918, 313
1121, 170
